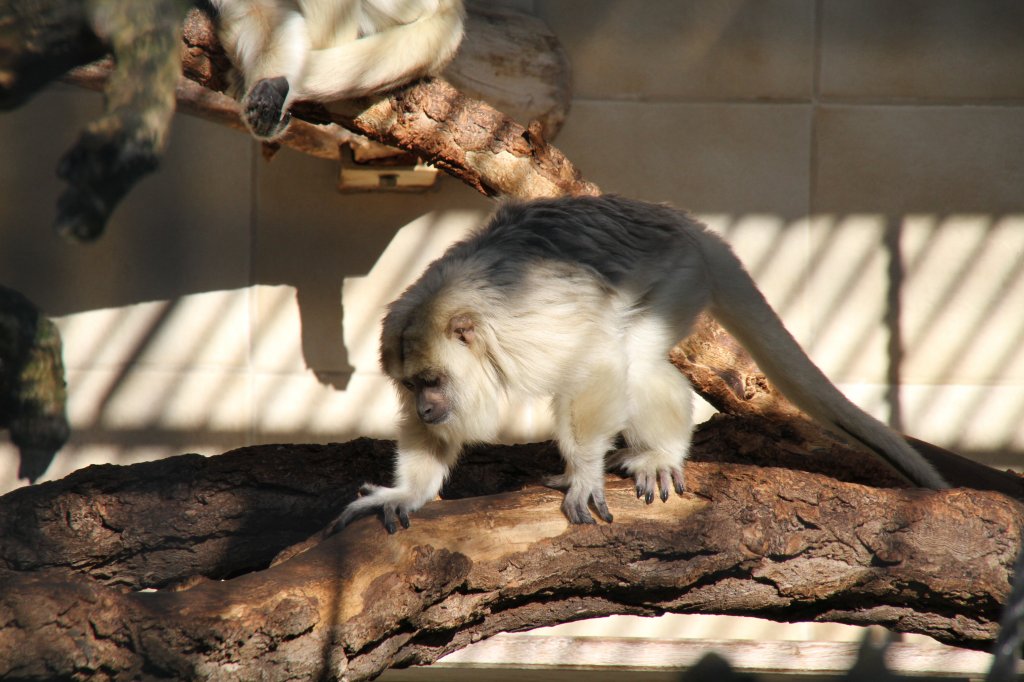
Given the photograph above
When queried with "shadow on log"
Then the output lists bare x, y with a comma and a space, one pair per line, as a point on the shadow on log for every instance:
164, 523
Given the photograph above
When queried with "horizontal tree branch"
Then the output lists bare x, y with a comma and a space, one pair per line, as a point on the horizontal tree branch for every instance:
746, 540
163, 523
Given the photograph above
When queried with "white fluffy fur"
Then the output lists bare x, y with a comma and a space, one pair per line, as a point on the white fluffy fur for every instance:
581, 299
331, 50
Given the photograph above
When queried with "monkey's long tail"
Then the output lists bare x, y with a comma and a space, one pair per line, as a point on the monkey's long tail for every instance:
740, 307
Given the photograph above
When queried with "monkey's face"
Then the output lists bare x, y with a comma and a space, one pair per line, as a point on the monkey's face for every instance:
427, 367
428, 391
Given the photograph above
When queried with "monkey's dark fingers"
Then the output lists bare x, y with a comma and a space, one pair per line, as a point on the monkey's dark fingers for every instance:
390, 521
395, 514
361, 506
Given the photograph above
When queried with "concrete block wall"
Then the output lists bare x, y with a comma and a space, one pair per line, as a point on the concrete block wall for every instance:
865, 159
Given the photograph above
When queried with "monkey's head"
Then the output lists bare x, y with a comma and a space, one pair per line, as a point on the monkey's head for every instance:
438, 361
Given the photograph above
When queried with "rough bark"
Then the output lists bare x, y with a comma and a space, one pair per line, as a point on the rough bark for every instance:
771, 542
163, 523
725, 375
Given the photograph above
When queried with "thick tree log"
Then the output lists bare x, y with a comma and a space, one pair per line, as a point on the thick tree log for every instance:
744, 540
725, 375
164, 523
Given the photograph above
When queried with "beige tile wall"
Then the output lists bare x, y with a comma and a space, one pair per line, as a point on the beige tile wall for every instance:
922, 51
864, 158
672, 50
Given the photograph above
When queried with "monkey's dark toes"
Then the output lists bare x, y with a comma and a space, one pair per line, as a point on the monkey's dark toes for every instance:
602, 509
678, 481
577, 513
664, 484
263, 107
661, 482
645, 487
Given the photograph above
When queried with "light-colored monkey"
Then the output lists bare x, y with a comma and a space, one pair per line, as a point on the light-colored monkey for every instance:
581, 299
328, 50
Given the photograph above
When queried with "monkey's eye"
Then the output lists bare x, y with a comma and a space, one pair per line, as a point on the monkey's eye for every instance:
408, 384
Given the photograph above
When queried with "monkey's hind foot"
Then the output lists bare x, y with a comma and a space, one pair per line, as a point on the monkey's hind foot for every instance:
651, 470
576, 506
663, 479
263, 107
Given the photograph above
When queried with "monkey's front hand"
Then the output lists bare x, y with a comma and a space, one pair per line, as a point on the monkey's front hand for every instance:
394, 505
263, 107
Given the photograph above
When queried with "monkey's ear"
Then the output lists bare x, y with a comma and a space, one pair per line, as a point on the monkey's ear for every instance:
461, 327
